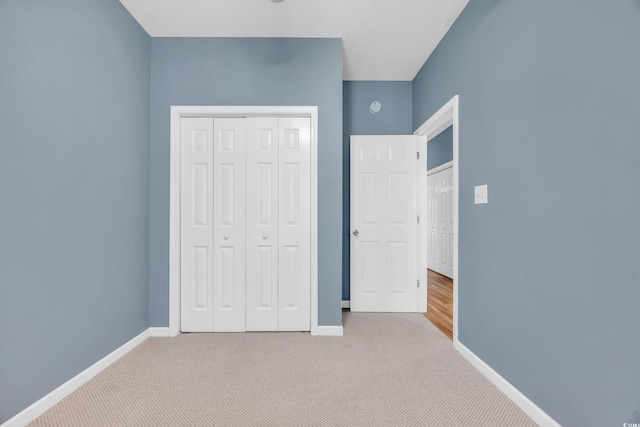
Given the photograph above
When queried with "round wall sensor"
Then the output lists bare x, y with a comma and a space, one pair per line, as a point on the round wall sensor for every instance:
375, 107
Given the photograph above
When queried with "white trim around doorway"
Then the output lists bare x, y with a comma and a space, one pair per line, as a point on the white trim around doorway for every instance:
177, 113
441, 120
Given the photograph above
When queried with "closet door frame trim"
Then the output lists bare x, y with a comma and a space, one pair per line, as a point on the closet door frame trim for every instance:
180, 112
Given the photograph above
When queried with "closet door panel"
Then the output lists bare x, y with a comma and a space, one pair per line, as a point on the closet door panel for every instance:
443, 230
446, 266
196, 222
432, 222
229, 163
262, 224
294, 231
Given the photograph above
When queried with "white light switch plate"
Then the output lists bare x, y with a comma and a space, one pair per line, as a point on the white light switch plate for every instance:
481, 194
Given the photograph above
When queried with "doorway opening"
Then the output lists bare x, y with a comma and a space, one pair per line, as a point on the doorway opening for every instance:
439, 224
389, 197
440, 302
438, 231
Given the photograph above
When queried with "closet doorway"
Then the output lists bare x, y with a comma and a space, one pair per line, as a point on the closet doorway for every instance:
243, 219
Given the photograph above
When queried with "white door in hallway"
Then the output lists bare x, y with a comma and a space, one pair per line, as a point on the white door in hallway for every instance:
384, 224
440, 222
432, 223
445, 223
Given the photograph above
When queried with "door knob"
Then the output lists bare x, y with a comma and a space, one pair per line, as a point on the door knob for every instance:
264, 236
356, 233
226, 237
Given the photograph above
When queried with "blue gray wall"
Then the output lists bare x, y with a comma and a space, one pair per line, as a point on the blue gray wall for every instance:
394, 119
440, 149
74, 188
549, 284
220, 71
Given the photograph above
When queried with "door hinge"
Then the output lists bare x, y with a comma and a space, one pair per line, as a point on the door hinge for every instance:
418, 283
418, 155
418, 219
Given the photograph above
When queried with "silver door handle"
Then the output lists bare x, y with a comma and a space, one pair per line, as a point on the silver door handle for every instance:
356, 233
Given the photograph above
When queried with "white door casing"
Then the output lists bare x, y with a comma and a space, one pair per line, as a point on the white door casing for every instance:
197, 224
229, 224
262, 223
384, 223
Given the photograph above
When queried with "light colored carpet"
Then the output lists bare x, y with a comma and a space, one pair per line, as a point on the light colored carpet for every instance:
388, 370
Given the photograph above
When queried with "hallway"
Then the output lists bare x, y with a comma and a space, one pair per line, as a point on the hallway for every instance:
440, 302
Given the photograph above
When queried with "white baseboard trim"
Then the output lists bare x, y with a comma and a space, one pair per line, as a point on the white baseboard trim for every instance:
346, 303
330, 331
159, 332
531, 409
47, 402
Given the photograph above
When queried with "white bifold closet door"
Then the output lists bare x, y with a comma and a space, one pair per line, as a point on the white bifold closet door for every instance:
196, 224
432, 223
294, 225
229, 143
262, 224
246, 224
445, 223
278, 224
440, 222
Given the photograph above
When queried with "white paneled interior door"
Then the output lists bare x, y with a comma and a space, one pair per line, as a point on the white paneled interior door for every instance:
245, 224
294, 225
196, 219
440, 248
229, 224
384, 223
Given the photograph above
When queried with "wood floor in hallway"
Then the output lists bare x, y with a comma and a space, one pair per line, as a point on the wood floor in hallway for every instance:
440, 302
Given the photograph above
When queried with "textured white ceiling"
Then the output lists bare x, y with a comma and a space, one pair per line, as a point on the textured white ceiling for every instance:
383, 39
